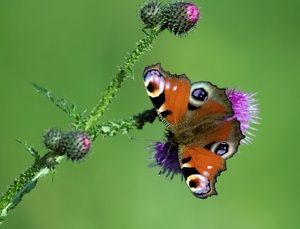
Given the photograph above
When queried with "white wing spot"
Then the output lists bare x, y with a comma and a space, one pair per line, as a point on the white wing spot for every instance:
167, 85
205, 173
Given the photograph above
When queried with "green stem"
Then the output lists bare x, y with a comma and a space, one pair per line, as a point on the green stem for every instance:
25, 183
124, 70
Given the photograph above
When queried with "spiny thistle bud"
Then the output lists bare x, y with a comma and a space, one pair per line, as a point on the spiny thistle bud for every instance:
75, 145
151, 13
51, 138
181, 17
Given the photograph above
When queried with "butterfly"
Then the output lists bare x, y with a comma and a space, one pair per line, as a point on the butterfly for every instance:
197, 116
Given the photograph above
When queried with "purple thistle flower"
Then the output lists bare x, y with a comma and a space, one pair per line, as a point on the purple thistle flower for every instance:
192, 12
165, 155
246, 110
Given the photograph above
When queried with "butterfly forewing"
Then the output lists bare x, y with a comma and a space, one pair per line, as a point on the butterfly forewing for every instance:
169, 94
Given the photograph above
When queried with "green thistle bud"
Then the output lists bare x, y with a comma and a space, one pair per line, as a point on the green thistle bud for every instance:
151, 14
181, 17
75, 145
51, 139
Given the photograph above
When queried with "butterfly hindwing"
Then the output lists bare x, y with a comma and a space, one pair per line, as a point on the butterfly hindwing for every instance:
200, 167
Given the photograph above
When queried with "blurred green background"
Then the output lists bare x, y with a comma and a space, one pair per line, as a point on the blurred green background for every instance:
74, 47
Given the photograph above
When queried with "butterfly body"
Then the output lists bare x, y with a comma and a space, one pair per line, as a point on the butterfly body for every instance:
198, 118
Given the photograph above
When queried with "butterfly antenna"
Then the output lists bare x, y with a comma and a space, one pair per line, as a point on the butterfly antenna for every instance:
141, 139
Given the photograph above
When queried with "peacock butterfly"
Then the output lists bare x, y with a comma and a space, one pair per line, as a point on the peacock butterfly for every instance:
198, 118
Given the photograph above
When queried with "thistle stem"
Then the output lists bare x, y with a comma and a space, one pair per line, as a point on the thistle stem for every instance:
25, 183
124, 71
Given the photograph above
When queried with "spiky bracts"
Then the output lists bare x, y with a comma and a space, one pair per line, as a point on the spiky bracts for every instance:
178, 17
75, 145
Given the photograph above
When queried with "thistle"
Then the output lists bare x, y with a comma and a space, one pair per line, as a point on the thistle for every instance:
151, 14
52, 138
165, 156
246, 110
178, 17
75, 145
181, 17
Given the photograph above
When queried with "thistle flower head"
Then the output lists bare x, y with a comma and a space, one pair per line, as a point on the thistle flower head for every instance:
151, 13
246, 110
165, 155
181, 17
51, 138
75, 145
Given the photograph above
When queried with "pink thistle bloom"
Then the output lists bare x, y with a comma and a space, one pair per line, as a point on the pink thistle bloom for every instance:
165, 155
246, 110
192, 12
